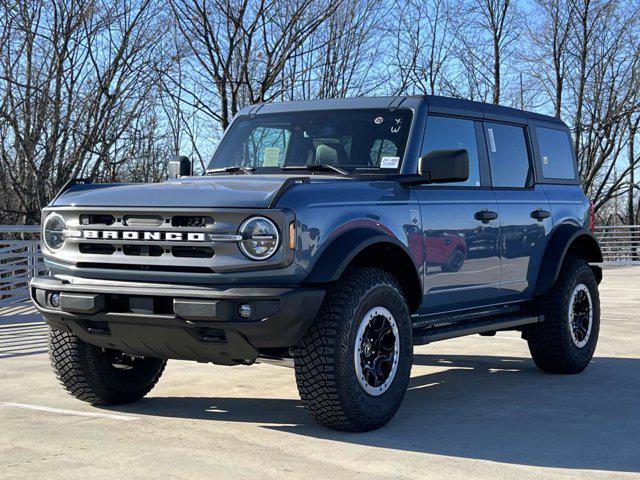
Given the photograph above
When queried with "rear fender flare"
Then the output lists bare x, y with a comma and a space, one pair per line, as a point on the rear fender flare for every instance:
564, 238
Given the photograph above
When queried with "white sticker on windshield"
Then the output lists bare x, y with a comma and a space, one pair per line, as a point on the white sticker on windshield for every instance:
389, 162
271, 157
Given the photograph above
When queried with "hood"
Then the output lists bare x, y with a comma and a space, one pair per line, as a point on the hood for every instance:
239, 191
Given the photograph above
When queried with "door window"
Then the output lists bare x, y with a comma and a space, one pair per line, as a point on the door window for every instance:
444, 133
508, 155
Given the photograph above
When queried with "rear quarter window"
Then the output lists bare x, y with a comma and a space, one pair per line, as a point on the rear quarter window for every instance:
556, 155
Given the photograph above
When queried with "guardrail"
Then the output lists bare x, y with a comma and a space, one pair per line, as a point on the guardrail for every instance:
20, 259
620, 244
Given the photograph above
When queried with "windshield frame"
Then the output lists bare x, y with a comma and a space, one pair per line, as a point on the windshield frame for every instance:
412, 116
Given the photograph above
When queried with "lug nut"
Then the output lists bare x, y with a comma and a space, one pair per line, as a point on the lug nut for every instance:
55, 299
245, 310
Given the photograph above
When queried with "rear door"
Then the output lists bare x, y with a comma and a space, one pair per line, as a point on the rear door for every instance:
524, 211
460, 229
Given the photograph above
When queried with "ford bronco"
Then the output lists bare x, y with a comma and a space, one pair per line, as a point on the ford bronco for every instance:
333, 235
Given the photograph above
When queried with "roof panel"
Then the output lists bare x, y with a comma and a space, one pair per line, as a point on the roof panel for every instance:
436, 104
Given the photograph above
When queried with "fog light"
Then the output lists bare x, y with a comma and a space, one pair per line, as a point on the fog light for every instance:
55, 299
245, 310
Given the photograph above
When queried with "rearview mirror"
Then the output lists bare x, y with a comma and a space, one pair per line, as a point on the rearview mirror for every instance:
179, 166
444, 166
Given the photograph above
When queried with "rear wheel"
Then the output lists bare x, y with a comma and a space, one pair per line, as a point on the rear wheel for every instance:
566, 340
101, 376
353, 364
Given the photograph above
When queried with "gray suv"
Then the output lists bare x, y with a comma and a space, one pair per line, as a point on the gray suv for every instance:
333, 235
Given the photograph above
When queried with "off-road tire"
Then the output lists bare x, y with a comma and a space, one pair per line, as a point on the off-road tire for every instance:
85, 371
324, 359
550, 342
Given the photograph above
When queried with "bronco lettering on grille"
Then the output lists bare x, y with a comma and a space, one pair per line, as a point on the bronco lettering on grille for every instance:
143, 236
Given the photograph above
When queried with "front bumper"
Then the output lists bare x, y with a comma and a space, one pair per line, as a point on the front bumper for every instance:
177, 321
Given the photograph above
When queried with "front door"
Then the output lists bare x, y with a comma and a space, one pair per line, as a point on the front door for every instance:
460, 225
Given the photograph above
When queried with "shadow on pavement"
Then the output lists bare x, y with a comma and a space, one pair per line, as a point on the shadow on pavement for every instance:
22, 336
481, 407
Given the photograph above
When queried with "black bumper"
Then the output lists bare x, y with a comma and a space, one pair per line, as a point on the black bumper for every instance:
175, 321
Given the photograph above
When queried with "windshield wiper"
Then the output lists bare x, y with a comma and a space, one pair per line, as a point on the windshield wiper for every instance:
325, 167
232, 169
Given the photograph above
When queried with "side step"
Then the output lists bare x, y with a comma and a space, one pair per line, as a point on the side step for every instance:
435, 334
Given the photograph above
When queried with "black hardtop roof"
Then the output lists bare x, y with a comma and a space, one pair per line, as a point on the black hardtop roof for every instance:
435, 104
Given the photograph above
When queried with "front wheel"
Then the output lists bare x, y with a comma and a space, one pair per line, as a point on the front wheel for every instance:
354, 363
101, 376
566, 340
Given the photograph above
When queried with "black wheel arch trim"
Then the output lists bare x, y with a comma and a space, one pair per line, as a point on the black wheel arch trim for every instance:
562, 238
338, 254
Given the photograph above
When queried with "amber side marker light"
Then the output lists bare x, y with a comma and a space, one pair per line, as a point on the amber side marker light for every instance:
292, 235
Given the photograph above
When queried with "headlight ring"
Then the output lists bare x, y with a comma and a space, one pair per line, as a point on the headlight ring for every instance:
53, 231
261, 238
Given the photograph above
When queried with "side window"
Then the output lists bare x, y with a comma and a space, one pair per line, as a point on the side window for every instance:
444, 133
555, 153
508, 155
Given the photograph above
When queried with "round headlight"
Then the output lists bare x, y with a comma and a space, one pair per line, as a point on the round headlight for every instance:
260, 238
53, 231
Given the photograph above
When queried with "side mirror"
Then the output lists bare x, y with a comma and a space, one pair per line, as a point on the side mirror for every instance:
179, 166
444, 166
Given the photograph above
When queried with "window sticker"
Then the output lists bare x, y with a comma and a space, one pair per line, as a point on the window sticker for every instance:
389, 162
271, 157
492, 141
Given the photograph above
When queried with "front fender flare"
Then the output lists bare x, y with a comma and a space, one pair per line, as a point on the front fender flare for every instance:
343, 249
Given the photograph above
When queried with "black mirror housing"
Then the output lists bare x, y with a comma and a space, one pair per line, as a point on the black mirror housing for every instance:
444, 166
179, 166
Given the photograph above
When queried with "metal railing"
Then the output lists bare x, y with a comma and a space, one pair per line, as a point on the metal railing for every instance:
20, 259
620, 244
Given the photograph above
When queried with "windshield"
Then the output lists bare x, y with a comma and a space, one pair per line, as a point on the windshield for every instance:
358, 141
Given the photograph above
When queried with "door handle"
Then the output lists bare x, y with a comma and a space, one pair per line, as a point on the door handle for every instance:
485, 216
540, 214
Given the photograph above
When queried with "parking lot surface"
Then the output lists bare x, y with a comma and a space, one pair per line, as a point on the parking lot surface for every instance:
477, 408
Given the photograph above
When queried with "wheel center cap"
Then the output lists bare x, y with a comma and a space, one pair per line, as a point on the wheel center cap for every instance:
368, 349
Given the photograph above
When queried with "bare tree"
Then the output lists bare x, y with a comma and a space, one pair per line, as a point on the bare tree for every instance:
238, 49
549, 34
75, 77
487, 31
422, 46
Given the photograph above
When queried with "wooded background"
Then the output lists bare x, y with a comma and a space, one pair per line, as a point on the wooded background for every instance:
110, 90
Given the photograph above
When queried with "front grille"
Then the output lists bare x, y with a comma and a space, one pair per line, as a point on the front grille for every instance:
143, 221
129, 241
155, 244
97, 248
192, 221
142, 250
192, 252
97, 219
